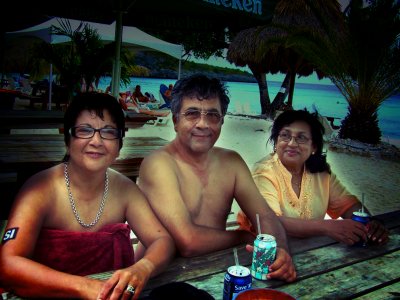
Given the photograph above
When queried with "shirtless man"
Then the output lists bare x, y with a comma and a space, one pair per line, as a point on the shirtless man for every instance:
191, 184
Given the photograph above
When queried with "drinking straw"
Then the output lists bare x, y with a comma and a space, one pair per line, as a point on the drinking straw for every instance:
362, 203
236, 256
258, 223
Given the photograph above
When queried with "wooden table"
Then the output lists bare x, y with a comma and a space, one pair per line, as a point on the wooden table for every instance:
22, 155
53, 119
326, 269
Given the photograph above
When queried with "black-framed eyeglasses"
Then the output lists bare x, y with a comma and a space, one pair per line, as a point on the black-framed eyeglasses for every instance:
87, 132
193, 115
286, 137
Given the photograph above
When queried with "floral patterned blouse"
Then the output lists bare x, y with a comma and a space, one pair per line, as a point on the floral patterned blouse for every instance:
321, 193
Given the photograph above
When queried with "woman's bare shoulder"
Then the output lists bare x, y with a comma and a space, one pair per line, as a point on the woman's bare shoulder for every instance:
41, 190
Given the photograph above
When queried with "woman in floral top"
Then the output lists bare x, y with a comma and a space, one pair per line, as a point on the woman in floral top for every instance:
297, 183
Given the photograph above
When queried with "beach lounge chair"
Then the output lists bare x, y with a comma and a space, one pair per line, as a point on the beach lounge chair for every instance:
167, 102
161, 121
331, 130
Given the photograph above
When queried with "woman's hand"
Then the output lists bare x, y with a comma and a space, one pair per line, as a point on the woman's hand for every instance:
377, 233
346, 231
134, 277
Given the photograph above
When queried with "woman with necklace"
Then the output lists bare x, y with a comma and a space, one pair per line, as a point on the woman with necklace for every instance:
75, 218
297, 183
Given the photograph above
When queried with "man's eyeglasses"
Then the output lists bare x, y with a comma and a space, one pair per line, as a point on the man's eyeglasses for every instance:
86, 132
286, 137
192, 115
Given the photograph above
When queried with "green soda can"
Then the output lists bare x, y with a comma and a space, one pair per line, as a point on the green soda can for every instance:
263, 255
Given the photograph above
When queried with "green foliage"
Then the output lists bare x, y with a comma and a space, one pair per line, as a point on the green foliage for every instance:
84, 59
362, 60
360, 125
195, 67
200, 43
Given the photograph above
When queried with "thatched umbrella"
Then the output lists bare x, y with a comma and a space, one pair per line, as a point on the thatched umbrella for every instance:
265, 49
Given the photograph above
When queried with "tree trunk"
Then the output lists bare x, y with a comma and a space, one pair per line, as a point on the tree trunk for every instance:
265, 101
361, 125
280, 97
291, 89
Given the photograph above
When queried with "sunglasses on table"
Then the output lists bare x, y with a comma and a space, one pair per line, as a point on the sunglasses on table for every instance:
87, 132
192, 115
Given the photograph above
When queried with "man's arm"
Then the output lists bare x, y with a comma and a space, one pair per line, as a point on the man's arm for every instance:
160, 183
252, 203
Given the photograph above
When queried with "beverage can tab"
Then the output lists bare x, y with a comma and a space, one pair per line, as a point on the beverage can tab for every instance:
361, 214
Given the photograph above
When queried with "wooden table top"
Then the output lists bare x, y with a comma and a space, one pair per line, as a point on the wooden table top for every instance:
326, 269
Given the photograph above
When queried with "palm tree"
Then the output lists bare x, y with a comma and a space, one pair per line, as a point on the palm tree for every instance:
265, 49
242, 52
363, 62
84, 59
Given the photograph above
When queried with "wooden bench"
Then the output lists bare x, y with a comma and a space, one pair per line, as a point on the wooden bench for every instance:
52, 119
21, 156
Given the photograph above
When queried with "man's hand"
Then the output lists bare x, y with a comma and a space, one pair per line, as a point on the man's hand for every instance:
282, 268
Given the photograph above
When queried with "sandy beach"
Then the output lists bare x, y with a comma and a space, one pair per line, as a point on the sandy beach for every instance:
378, 179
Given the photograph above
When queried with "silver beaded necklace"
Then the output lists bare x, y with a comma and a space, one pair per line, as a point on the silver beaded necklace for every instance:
71, 200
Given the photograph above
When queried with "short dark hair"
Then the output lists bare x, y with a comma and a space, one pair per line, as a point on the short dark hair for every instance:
98, 103
316, 162
199, 86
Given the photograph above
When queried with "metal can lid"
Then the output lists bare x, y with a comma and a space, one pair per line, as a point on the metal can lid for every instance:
360, 214
238, 271
266, 237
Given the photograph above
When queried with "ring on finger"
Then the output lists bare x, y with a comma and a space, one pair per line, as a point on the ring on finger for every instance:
130, 289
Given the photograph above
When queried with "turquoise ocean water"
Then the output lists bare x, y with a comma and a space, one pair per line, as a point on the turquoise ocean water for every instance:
325, 98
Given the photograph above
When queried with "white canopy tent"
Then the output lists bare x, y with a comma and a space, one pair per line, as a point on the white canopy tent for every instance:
131, 36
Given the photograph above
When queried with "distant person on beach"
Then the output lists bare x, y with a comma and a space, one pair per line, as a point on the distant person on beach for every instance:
130, 104
168, 92
108, 89
297, 183
138, 95
75, 219
191, 184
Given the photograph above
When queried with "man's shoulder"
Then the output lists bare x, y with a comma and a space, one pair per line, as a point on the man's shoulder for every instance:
161, 155
225, 153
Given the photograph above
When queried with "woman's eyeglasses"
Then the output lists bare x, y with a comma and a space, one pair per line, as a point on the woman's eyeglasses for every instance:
193, 115
286, 137
86, 132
